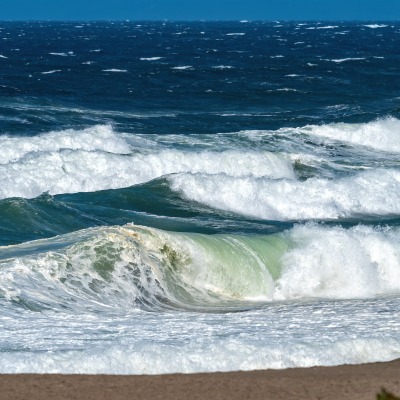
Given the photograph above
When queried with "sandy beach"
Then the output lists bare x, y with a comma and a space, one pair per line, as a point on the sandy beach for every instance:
342, 382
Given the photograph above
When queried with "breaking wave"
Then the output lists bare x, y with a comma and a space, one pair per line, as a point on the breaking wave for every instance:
96, 158
138, 267
368, 193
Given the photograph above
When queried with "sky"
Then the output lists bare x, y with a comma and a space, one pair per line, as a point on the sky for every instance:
200, 10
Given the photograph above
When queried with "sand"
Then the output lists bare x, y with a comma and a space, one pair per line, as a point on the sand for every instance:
343, 382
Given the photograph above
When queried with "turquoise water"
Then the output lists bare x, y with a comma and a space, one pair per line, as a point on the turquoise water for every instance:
182, 197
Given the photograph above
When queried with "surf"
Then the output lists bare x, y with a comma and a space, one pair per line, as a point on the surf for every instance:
137, 267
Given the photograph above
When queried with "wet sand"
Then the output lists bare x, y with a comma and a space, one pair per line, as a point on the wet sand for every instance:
336, 383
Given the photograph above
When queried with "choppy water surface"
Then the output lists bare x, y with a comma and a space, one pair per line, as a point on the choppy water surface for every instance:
183, 197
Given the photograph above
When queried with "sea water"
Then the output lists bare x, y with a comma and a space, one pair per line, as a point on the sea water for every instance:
204, 196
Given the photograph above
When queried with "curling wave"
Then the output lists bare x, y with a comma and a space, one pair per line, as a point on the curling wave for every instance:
138, 267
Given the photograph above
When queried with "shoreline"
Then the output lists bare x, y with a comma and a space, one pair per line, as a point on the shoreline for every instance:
356, 382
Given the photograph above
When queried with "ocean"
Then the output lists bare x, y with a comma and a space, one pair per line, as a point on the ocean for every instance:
198, 196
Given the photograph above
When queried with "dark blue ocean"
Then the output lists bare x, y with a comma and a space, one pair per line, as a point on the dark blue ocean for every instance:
198, 196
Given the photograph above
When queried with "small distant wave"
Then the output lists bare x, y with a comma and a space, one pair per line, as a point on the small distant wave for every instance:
150, 58
51, 72
183, 67
375, 26
115, 70
341, 60
223, 67
285, 90
1, 56
236, 34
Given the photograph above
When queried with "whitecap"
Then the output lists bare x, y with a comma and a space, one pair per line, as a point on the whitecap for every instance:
381, 134
341, 60
150, 58
375, 26
375, 192
96, 159
51, 72
183, 67
115, 70
222, 67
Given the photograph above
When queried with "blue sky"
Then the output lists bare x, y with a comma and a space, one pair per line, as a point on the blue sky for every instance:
199, 9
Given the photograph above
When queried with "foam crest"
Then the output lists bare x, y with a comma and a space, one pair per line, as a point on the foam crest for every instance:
99, 137
339, 263
70, 171
369, 193
382, 134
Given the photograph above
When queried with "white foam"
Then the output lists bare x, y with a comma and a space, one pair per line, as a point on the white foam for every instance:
328, 27
374, 192
375, 26
235, 34
99, 137
340, 263
96, 159
150, 58
223, 67
231, 354
1, 56
114, 70
382, 134
59, 54
51, 72
286, 90
341, 60
183, 67
90, 283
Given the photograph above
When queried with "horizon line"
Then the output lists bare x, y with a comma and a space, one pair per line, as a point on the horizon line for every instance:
244, 20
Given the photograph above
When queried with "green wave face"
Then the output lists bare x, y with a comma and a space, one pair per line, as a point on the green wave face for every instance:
215, 268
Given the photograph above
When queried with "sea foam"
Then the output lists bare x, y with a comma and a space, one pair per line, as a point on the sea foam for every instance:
96, 158
382, 134
369, 193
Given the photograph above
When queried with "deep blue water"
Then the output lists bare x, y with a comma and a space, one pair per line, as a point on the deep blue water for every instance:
264, 154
